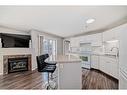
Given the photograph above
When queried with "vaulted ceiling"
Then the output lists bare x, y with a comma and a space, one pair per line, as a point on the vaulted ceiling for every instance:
63, 21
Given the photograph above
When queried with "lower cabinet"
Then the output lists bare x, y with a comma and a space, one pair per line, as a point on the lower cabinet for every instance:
123, 78
95, 61
106, 64
69, 75
109, 66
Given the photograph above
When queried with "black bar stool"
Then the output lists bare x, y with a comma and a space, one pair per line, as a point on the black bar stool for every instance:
45, 67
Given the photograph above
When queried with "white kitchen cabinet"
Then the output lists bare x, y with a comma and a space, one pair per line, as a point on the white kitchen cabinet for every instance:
81, 38
85, 39
102, 64
95, 61
109, 65
96, 39
74, 41
112, 34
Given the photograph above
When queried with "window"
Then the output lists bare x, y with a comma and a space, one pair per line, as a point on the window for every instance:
49, 46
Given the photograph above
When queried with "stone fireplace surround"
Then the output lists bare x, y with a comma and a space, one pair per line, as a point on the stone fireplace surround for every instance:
6, 57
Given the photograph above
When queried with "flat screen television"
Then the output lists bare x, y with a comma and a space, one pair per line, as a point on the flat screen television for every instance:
15, 40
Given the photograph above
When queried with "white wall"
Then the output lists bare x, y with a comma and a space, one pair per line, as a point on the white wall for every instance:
35, 34
123, 58
123, 47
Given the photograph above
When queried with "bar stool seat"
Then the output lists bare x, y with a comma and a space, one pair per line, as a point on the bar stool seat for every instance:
45, 67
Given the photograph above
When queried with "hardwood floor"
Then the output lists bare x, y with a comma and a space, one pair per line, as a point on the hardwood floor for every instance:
22, 80
94, 79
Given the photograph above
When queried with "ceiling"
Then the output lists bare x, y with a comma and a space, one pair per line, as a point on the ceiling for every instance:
63, 21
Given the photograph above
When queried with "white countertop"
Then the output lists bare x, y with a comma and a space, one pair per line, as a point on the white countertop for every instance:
98, 54
63, 59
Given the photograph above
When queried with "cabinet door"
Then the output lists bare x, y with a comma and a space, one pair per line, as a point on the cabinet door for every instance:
112, 34
115, 69
85, 39
109, 66
95, 61
74, 42
89, 38
96, 39
108, 35
102, 64
105, 65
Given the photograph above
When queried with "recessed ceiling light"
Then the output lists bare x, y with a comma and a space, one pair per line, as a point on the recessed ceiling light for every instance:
91, 20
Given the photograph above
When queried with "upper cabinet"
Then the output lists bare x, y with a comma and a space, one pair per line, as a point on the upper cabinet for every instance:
85, 39
96, 39
112, 34
75, 41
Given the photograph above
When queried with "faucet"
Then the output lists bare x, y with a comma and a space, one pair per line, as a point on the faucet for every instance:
117, 54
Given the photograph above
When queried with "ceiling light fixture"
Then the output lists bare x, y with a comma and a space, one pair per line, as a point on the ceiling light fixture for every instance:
89, 21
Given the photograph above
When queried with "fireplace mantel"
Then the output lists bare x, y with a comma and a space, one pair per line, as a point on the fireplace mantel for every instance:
6, 57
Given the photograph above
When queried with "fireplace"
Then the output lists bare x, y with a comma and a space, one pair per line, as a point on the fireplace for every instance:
17, 64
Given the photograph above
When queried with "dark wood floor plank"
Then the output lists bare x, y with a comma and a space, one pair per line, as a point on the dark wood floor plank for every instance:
94, 79
22, 80
15, 80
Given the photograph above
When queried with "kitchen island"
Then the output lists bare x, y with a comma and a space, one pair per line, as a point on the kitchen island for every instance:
68, 72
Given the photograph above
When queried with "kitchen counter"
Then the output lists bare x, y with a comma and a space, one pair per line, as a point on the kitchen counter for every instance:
96, 54
68, 71
64, 59
106, 55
